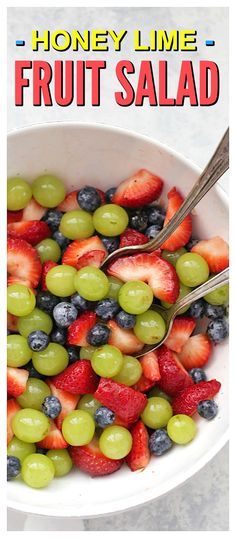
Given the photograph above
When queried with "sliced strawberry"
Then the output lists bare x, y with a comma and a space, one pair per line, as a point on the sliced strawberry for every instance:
70, 203
77, 378
181, 330
124, 339
182, 234
54, 439
125, 401
139, 456
12, 408
16, 381
187, 400
196, 352
45, 268
78, 330
90, 459
144, 384
150, 366
215, 251
121, 422
16, 280
68, 402
23, 261
79, 253
12, 322
173, 375
132, 237
102, 196
33, 211
32, 231
158, 273
14, 216
140, 189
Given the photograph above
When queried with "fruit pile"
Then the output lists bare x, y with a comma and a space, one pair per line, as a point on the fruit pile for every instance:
77, 394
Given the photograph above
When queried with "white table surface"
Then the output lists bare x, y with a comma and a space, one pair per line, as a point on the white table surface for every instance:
202, 502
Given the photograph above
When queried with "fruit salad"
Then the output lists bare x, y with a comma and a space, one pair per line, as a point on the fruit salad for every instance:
80, 392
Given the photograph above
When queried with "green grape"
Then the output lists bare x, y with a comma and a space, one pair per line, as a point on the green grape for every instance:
172, 257
88, 403
192, 269
130, 372
150, 327
18, 351
37, 471
51, 361
115, 285
37, 320
61, 460
77, 224
60, 280
19, 194
35, 392
107, 361
20, 300
157, 412
219, 296
115, 442
20, 449
155, 391
48, 249
49, 191
78, 428
91, 283
30, 425
135, 297
183, 291
110, 220
86, 352
181, 429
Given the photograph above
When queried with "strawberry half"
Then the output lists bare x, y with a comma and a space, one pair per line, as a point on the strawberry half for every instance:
84, 252
174, 377
158, 273
196, 352
215, 251
23, 261
132, 237
45, 268
54, 439
125, 401
70, 203
182, 234
77, 378
181, 330
139, 456
78, 330
102, 196
150, 366
124, 339
90, 459
33, 211
144, 384
32, 231
68, 402
16, 381
12, 408
140, 189
16, 280
187, 400
14, 216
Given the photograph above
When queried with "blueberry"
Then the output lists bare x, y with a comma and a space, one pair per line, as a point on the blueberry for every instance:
82, 304
218, 329
62, 241
13, 467
73, 353
64, 314
51, 406
214, 311
192, 242
32, 371
46, 301
207, 409
109, 194
40, 450
88, 198
53, 218
98, 335
138, 220
110, 243
156, 215
159, 442
197, 375
197, 309
59, 335
104, 416
152, 231
107, 309
38, 340
125, 320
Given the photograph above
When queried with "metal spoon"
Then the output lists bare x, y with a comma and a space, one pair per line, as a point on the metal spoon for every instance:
169, 315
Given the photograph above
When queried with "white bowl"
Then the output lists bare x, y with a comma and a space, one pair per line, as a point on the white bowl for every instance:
102, 155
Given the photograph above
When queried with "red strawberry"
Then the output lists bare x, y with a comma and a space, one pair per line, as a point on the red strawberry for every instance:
16, 381
16, 280
215, 251
90, 459
45, 268
79, 253
158, 273
70, 203
54, 439
33, 211
23, 261
150, 366
102, 196
68, 402
124, 339
140, 189
12, 322
173, 375
196, 351
181, 330
12, 408
182, 234
132, 237
144, 384
32, 231
78, 330
77, 378
121, 422
125, 401
139, 456
14, 216
187, 400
